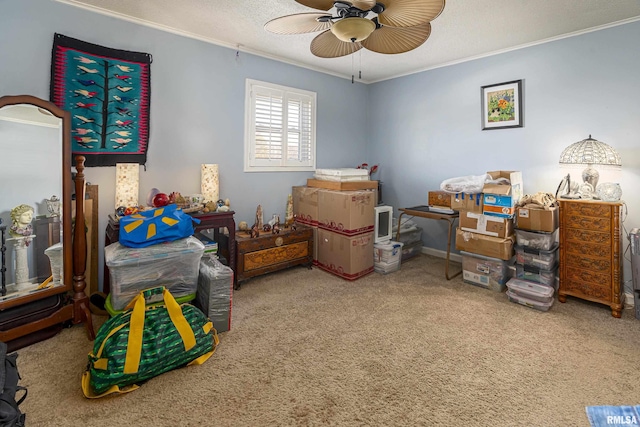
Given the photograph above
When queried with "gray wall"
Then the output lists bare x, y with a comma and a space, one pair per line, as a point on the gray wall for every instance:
426, 127
197, 104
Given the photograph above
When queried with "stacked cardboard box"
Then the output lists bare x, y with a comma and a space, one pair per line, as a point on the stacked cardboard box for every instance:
343, 223
485, 231
537, 248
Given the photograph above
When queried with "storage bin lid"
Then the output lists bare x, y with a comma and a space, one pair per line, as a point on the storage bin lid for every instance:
527, 288
116, 255
544, 306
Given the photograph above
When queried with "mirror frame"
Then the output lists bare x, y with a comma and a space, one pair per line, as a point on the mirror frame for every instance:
67, 238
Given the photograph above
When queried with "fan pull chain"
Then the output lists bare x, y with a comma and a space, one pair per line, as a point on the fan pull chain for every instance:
352, 70
360, 64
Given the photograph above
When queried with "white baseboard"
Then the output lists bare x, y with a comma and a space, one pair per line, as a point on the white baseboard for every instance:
441, 254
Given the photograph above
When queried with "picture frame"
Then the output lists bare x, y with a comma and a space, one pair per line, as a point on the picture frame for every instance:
502, 105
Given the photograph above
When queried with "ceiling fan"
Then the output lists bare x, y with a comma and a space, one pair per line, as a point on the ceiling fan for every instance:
386, 26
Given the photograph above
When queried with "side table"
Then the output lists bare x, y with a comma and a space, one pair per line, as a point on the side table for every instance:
425, 212
211, 220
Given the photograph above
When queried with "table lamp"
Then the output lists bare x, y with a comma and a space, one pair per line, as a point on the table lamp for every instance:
590, 152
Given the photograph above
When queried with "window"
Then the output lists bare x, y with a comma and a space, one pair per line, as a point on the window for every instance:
280, 131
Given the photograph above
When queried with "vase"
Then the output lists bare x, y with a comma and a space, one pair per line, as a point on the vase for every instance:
609, 191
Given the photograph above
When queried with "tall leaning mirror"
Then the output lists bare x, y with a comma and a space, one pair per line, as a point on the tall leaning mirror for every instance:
35, 200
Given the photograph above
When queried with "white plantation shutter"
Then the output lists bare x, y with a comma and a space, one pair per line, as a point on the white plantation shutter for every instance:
280, 131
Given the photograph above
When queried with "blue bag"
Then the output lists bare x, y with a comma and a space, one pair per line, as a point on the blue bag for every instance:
155, 226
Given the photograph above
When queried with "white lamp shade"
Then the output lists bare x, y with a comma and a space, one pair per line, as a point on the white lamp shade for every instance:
209, 185
127, 184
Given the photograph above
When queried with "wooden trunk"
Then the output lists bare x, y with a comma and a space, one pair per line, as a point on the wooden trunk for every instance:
272, 252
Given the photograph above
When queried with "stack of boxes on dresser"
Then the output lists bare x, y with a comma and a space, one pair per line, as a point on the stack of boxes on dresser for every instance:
340, 209
485, 235
536, 255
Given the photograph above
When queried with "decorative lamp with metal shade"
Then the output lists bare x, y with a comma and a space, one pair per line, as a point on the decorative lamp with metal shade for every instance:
590, 152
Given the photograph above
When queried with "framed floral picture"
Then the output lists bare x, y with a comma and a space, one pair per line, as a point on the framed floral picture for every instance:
502, 105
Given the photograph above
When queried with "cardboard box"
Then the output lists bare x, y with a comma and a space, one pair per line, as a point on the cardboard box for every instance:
346, 257
342, 186
305, 205
486, 224
467, 202
501, 199
537, 219
494, 247
440, 198
346, 212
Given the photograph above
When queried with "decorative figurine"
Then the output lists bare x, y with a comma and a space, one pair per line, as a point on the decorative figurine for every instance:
210, 207
53, 206
275, 219
266, 227
275, 229
254, 232
243, 226
259, 219
21, 216
288, 216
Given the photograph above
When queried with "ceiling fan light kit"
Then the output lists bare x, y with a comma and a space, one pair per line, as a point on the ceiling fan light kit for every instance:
353, 29
387, 26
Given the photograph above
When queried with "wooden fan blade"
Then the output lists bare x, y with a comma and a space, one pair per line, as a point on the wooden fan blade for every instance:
299, 23
317, 4
409, 13
362, 4
397, 40
326, 45
328, 4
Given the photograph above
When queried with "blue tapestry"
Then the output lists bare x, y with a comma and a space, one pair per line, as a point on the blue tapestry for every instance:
107, 92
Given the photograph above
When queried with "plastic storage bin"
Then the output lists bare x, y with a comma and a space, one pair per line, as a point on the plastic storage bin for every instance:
411, 250
537, 239
531, 290
538, 305
490, 273
173, 265
537, 257
536, 274
411, 236
215, 290
387, 256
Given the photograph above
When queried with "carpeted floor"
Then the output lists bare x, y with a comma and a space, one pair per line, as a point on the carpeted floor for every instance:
405, 349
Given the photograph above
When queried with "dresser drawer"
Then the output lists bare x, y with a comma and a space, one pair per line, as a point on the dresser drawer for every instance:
590, 291
593, 264
587, 209
590, 250
575, 236
588, 223
588, 277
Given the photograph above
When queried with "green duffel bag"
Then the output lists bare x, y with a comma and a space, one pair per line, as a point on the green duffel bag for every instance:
153, 335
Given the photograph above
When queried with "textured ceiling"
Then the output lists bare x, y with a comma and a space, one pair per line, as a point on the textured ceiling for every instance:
466, 29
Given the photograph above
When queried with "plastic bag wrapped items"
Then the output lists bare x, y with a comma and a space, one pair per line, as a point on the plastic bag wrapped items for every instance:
465, 184
215, 290
539, 200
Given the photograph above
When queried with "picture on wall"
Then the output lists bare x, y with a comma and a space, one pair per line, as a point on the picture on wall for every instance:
502, 105
107, 92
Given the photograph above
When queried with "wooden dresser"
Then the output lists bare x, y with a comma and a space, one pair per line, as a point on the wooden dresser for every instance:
591, 252
272, 252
